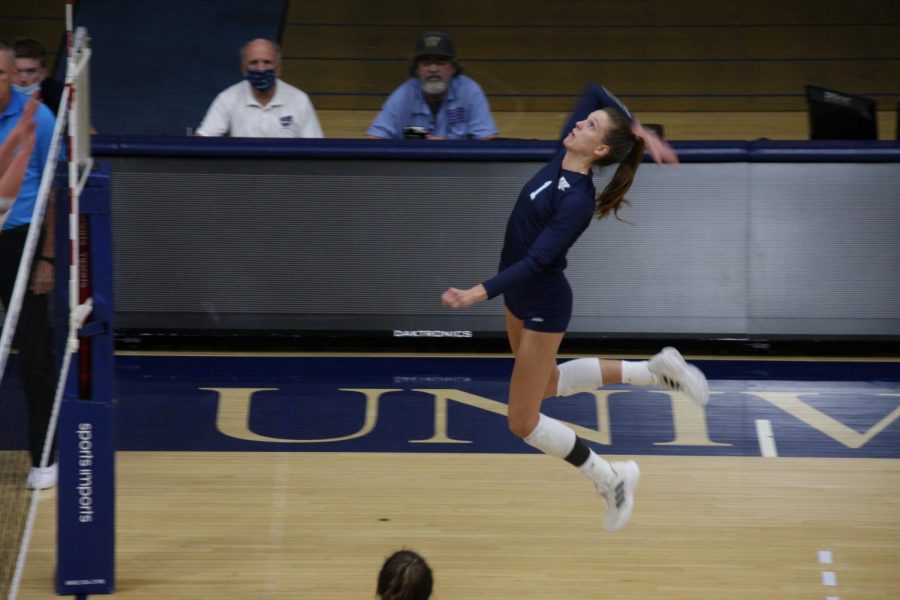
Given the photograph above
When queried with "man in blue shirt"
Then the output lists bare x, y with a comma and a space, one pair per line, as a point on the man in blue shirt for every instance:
34, 333
438, 102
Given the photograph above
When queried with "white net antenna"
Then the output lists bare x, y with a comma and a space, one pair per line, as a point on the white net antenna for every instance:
79, 84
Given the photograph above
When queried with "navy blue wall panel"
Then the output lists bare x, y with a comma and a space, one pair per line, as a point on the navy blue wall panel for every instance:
157, 66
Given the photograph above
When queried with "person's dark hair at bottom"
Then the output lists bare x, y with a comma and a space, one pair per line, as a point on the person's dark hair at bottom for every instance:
404, 576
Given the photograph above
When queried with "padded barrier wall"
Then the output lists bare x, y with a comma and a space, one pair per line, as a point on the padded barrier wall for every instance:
355, 236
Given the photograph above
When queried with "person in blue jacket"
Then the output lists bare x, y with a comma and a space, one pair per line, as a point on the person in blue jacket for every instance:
438, 102
552, 211
15, 154
34, 331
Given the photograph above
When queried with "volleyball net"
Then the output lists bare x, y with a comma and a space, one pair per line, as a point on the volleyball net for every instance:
20, 371
79, 426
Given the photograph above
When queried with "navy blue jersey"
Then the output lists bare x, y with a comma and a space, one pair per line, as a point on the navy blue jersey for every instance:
552, 211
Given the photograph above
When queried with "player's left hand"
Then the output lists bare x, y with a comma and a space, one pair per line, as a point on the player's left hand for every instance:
456, 298
659, 150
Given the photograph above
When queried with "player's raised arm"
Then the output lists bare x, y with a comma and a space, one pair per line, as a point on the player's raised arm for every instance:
596, 97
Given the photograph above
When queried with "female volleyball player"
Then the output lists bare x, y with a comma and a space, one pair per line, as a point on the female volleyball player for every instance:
553, 210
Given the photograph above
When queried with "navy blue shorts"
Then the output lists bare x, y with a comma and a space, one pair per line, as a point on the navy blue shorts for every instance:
543, 305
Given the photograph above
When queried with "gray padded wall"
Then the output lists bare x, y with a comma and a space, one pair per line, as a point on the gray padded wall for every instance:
679, 266
825, 249
356, 245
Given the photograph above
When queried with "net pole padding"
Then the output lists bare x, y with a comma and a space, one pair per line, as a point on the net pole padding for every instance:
84, 406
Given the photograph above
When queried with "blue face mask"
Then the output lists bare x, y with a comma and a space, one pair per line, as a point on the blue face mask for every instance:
261, 80
28, 90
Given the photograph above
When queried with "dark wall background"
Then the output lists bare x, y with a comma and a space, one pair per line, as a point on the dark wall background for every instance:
158, 65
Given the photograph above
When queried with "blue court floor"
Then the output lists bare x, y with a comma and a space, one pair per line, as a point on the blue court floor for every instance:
456, 404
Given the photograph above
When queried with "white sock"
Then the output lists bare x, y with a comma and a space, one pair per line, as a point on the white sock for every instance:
596, 468
635, 372
552, 437
579, 375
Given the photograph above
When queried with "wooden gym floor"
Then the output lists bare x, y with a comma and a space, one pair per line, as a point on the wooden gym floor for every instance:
293, 476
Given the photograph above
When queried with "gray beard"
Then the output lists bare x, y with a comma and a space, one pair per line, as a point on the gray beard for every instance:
434, 87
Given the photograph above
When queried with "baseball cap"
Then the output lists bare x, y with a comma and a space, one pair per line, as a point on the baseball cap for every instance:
435, 43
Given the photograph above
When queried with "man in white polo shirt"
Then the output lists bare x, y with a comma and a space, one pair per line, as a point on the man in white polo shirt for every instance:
261, 105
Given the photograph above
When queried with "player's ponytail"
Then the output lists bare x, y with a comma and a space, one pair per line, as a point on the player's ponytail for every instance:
626, 149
